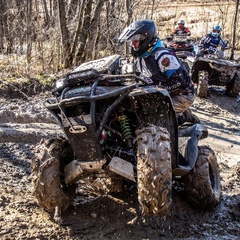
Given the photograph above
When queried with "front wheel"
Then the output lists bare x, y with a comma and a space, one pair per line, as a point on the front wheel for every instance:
154, 172
202, 86
202, 184
51, 156
233, 88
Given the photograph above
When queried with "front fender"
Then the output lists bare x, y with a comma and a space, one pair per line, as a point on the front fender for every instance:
153, 105
200, 65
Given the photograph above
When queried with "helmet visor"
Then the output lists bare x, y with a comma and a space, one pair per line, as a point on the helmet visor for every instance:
137, 37
128, 34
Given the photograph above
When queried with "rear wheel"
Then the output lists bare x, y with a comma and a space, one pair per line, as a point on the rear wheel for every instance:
202, 184
154, 171
233, 88
202, 86
47, 166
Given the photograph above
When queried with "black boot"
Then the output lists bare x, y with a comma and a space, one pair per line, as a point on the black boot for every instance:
187, 116
189, 153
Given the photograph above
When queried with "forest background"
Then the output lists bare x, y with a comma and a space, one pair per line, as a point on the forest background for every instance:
40, 40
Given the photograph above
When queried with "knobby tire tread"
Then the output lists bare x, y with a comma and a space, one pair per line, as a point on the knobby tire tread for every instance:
233, 89
48, 162
154, 172
202, 184
202, 85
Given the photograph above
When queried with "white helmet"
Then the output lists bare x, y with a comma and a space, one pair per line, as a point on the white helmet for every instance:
181, 22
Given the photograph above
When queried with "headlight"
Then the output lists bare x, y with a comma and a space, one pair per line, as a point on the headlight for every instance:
59, 83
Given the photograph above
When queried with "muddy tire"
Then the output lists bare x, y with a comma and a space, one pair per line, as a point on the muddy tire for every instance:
202, 85
202, 184
154, 172
233, 88
47, 167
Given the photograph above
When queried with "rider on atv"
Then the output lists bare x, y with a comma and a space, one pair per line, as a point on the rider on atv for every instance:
210, 43
160, 66
181, 29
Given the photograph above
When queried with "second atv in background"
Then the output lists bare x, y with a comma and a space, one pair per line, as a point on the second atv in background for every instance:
214, 69
183, 46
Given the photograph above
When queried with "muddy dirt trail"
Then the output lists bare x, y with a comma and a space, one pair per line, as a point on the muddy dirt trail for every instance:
96, 215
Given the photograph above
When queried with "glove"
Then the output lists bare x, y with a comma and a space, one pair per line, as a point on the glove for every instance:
148, 80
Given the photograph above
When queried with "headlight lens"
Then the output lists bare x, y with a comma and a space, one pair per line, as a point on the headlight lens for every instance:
59, 83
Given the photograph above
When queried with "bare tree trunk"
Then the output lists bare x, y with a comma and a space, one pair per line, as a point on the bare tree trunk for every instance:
80, 54
72, 9
112, 7
46, 16
95, 23
20, 31
51, 8
55, 7
224, 14
53, 13
29, 32
64, 34
129, 6
234, 30
36, 7
78, 28
2, 21
113, 18
20, 6
153, 7
96, 42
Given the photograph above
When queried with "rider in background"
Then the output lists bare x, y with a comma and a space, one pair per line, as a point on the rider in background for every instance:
210, 43
181, 29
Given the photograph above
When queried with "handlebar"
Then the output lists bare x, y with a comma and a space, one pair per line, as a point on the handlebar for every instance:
207, 50
184, 34
133, 76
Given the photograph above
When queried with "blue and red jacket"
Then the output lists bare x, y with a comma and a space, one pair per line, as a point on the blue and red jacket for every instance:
179, 31
211, 43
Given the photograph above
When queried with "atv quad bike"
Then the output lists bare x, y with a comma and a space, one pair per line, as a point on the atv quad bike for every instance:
183, 46
119, 128
212, 69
